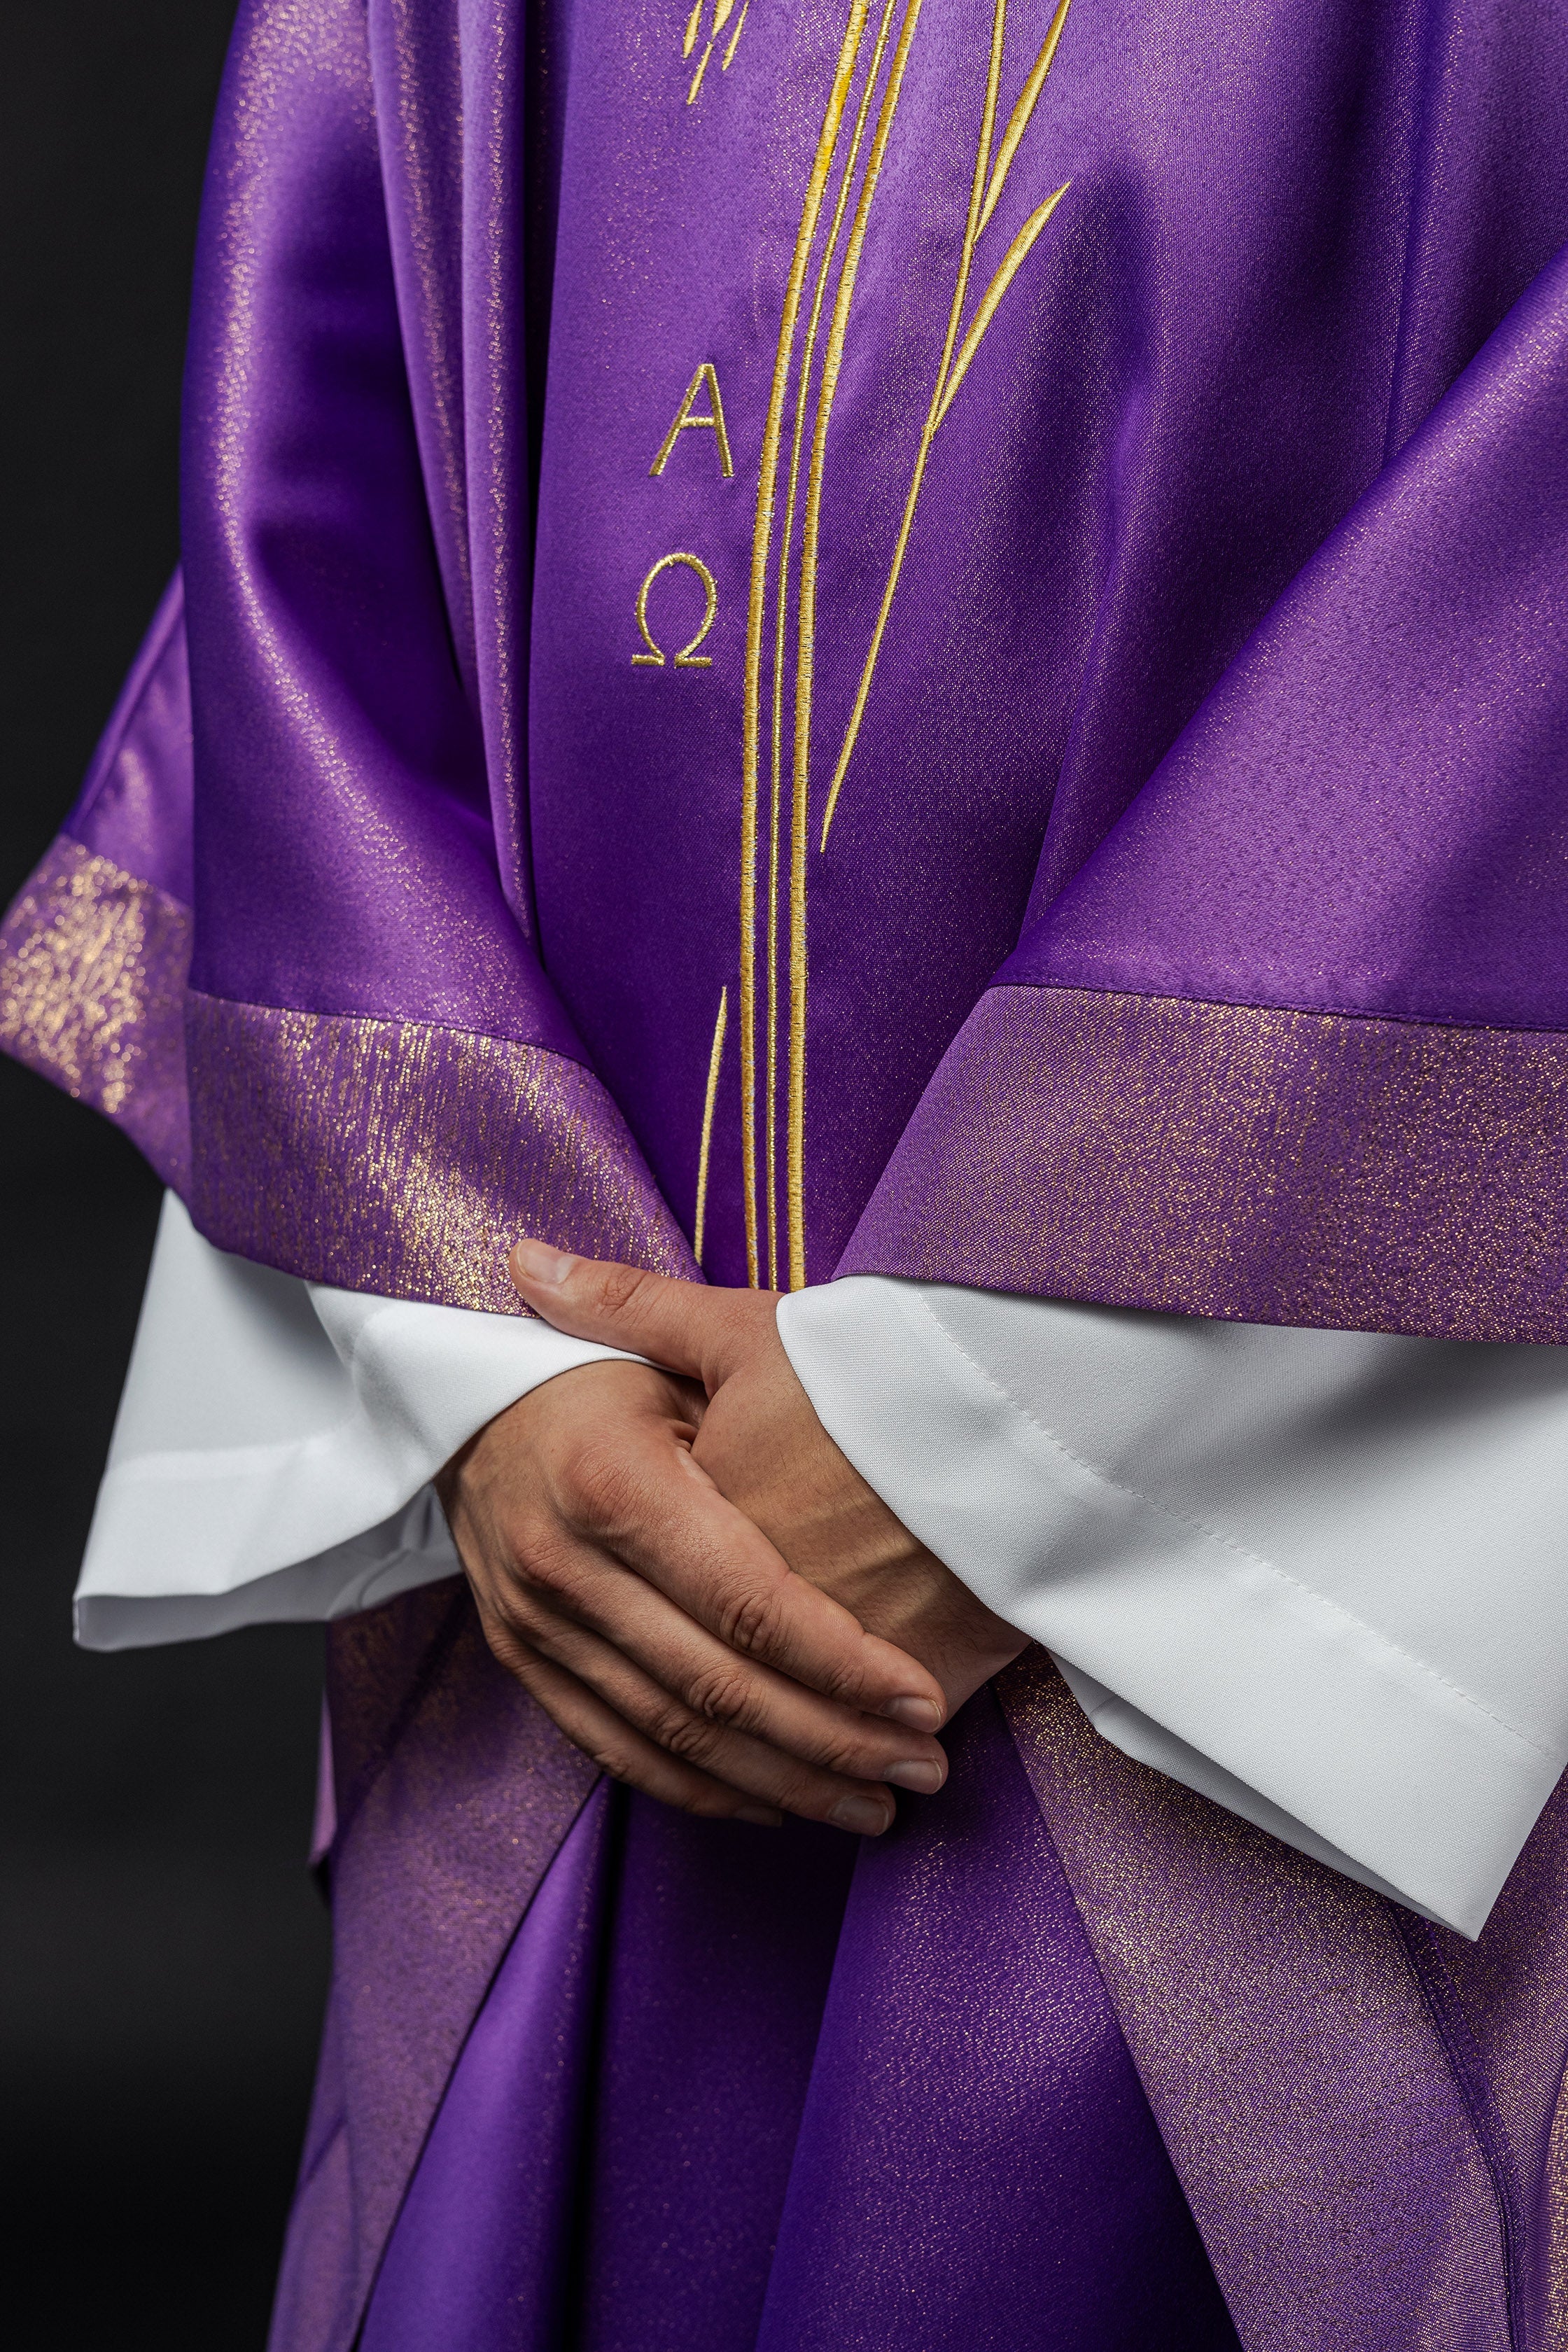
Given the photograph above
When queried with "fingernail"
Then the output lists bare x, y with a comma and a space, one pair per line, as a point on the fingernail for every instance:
919, 1714
925, 1777
765, 1817
541, 1263
864, 1815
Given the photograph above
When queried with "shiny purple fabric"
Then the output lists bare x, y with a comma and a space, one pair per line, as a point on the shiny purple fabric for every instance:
908, 2118
1226, 657
345, 838
1288, 229
1202, 673
135, 803
452, 1794
479, 2253
1368, 814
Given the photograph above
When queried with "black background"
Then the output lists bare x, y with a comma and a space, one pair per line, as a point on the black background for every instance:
163, 1948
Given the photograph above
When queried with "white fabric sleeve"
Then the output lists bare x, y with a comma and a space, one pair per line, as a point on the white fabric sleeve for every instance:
1317, 1575
275, 1444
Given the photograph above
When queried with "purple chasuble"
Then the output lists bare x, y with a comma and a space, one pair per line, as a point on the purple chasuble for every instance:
918, 635
953, 2152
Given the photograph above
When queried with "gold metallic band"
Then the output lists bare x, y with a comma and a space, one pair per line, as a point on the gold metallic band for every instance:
92, 976
1242, 1161
398, 1157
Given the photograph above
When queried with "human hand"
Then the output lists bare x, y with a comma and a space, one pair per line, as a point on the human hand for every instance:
767, 1452
660, 1630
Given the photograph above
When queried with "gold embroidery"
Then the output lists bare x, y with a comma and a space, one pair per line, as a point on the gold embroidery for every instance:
1012, 261
687, 657
751, 719
705, 376
805, 641
722, 12
798, 839
822, 249
1019, 121
715, 1064
988, 184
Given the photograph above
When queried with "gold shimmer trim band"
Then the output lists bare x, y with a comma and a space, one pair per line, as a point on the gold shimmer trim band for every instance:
1272, 2014
397, 1157
1240, 1161
92, 976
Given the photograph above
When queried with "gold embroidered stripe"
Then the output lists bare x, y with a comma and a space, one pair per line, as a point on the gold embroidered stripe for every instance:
772, 431
93, 979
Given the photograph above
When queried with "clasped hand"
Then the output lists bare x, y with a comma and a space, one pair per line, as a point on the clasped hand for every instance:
690, 1577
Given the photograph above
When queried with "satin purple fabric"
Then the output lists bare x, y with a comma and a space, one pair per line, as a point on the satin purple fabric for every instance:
1223, 652
448, 295
1177, 613
711, 2105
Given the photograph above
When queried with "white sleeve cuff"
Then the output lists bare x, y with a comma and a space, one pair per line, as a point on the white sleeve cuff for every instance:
1315, 1574
275, 1441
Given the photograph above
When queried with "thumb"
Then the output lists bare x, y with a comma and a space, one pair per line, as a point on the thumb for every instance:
683, 1326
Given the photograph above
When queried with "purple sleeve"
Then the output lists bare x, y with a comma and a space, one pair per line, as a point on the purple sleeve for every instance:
95, 951
384, 1087
1290, 1047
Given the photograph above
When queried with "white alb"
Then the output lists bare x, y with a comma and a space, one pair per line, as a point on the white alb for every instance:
1317, 1575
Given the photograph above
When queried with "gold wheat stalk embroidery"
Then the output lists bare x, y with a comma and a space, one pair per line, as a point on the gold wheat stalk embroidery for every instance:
805, 639
723, 11
802, 390
1013, 260
715, 1064
1019, 121
985, 193
756, 610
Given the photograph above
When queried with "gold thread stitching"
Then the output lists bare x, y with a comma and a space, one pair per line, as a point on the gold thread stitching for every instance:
1019, 121
735, 38
984, 193
715, 1063
722, 12
803, 394
686, 423
687, 657
1012, 261
805, 641
966, 257
827, 142
696, 76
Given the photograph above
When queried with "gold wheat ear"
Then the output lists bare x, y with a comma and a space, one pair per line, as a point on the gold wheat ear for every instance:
1012, 261
1019, 121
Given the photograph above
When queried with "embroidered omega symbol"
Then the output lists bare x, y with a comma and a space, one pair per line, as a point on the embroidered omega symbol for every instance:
687, 657
687, 418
